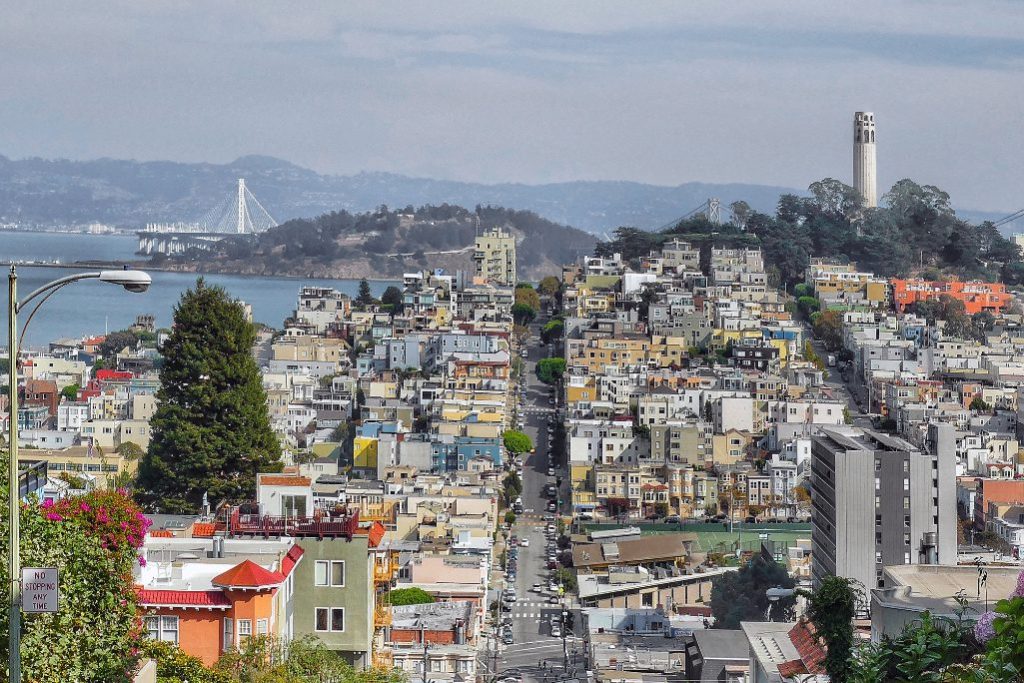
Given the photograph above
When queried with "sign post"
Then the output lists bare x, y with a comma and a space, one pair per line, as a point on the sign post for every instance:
39, 589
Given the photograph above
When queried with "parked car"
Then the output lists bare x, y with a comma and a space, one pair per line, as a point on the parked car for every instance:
524, 542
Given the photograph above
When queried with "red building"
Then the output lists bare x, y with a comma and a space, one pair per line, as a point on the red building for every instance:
976, 296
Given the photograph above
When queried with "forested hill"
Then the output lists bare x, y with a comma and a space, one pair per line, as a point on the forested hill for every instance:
386, 243
915, 232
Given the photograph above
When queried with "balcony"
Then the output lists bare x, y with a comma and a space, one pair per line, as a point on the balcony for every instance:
385, 571
327, 525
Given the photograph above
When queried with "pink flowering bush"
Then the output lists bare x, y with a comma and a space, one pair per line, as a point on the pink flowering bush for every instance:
94, 542
110, 516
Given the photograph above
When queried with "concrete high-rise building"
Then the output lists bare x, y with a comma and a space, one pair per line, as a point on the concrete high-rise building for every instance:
877, 500
864, 178
495, 257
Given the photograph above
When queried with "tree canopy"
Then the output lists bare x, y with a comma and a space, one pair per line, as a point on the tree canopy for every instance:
393, 297
211, 431
915, 228
550, 370
741, 595
410, 596
549, 285
517, 442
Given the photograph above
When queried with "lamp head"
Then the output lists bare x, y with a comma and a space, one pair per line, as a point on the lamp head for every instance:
132, 280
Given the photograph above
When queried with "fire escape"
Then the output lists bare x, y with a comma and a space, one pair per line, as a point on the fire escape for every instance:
385, 570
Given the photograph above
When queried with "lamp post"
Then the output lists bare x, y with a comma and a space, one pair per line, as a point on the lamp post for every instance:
131, 280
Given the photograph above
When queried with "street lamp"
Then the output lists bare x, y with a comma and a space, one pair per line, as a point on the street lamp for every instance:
133, 281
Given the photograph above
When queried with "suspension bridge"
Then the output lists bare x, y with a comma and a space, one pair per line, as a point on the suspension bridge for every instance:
239, 213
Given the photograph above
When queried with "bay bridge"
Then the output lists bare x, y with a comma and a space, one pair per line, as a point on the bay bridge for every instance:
240, 213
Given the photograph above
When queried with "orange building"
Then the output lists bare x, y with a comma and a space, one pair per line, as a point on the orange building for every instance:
217, 616
976, 296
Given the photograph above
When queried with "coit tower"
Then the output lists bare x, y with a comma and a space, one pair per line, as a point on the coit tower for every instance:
864, 157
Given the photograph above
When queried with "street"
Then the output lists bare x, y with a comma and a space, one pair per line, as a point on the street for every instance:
534, 654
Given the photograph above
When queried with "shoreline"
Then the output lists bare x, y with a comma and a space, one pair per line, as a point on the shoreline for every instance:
145, 265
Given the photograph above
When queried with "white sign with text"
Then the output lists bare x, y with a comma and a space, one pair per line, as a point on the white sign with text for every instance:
39, 591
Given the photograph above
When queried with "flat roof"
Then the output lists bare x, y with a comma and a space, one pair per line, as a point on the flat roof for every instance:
935, 587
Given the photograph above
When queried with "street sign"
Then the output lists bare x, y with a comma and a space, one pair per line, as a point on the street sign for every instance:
39, 592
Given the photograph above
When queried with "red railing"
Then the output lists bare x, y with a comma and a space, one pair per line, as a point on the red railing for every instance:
327, 525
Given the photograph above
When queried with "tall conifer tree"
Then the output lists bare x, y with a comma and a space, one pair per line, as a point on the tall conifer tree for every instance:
211, 431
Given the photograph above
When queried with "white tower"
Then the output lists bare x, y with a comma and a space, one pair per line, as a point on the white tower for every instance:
864, 157
242, 208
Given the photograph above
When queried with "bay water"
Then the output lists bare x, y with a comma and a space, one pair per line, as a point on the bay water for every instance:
91, 307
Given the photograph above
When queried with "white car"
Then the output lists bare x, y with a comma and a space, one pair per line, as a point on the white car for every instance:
524, 542
553, 587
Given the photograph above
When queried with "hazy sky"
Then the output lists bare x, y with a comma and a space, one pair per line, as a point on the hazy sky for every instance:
663, 92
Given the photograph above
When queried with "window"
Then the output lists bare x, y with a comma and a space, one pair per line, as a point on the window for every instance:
647, 598
229, 633
330, 619
906, 502
244, 628
329, 573
162, 628
262, 627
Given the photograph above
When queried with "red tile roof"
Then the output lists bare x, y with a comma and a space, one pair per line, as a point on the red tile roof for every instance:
291, 559
812, 652
248, 574
793, 668
149, 596
161, 533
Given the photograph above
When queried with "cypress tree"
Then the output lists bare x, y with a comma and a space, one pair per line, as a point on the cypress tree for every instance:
211, 430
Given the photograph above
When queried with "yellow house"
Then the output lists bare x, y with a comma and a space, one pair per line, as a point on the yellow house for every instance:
730, 447
364, 452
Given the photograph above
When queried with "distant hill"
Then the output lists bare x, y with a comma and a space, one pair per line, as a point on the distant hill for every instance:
129, 194
386, 244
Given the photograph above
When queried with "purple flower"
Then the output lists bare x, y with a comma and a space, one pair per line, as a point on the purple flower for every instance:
47, 504
84, 507
983, 628
1018, 592
54, 517
142, 561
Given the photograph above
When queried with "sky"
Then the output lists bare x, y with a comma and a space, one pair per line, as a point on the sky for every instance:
758, 91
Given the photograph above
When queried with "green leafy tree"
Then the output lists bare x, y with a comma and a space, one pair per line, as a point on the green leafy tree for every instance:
394, 298
828, 327
115, 342
552, 330
517, 442
364, 298
211, 431
567, 578
550, 370
549, 285
174, 666
832, 608
523, 314
70, 392
741, 595
978, 403
526, 294
410, 596
131, 451
510, 517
